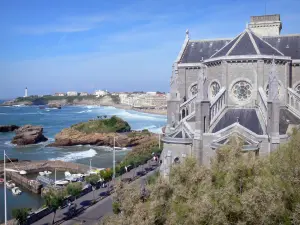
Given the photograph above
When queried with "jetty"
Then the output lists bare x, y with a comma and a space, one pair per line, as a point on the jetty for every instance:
37, 166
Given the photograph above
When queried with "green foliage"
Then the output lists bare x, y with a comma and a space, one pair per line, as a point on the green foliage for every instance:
237, 188
54, 198
113, 124
74, 189
92, 179
21, 215
116, 207
106, 175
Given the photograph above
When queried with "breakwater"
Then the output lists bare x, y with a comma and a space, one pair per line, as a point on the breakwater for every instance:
37, 166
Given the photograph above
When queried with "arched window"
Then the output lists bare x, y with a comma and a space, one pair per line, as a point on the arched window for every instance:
267, 89
242, 90
297, 89
182, 113
194, 89
214, 88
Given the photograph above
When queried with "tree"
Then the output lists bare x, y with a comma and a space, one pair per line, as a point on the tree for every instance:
237, 188
54, 199
21, 215
74, 189
93, 180
106, 175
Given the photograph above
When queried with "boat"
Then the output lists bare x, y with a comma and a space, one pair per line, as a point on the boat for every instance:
10, 184
41, 173
47, 173
23, 172
1, 180
16, 191
61, 182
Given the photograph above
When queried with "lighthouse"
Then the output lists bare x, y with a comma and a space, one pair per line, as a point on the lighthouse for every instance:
26, 92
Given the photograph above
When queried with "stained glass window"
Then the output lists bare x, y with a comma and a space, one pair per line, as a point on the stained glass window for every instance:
297, 89
214, 88
194, 89
242, 90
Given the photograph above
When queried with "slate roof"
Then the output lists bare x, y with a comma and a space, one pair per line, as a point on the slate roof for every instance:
246, 117
286, 118
196, 51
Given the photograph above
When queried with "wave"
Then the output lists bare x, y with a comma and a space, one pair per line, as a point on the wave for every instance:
85, 111
9, 144
4, 113
139, 116
73, 156
147, 127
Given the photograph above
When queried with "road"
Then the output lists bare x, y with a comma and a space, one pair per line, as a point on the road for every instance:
86, 213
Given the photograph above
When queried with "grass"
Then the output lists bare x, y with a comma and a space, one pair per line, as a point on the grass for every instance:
113, 124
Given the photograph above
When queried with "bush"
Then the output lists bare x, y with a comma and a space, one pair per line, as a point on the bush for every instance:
21, 215
113, 124
74, 189
238, 188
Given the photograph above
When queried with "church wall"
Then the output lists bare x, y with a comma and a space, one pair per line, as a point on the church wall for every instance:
242, 72
215, 73
186, 77
295, 76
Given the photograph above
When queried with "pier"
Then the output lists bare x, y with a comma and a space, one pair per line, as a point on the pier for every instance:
37, 166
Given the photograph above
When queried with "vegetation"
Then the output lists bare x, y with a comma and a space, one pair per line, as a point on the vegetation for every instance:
139, 133
238, 188
113, 124
21, 215
74, 189
54, 199
93, 180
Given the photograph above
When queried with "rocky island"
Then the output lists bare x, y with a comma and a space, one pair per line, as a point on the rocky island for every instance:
29, 134
101, 132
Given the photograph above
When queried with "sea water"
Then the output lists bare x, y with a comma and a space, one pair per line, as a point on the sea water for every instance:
53, 121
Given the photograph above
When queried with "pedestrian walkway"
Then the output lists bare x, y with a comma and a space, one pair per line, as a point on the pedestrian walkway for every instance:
88, 213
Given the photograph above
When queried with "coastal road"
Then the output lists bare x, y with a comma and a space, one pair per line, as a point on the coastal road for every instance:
88, 214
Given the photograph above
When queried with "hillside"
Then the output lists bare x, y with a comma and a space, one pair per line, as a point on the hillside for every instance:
65, 100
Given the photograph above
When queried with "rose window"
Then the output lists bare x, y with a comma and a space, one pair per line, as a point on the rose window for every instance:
297, 89
214, 88
242, 90
194, 89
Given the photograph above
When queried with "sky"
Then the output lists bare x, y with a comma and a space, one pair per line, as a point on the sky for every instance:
117, 45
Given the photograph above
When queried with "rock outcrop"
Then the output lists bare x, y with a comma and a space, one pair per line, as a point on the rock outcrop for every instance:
70, 137
8, 128
29, 134
53, 105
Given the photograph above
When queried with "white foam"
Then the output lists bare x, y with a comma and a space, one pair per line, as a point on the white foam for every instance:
9, 144
157, 130
3, 113
73, 156
139, 116
147, 127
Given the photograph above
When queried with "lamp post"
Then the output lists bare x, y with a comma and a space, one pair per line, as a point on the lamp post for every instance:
114, 159
5, 210
90, 165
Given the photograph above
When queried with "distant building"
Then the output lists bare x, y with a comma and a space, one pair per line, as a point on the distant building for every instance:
72, 93
59, 94
26, 92
83, 94
151, 93
100, 93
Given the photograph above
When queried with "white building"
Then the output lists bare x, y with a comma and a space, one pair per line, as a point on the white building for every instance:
100, 93
83, 94
59, 94
26, 92
72, 93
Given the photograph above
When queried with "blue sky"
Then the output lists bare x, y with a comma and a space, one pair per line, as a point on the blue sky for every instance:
60, 45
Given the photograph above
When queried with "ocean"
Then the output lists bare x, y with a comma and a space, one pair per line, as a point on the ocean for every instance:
53, 121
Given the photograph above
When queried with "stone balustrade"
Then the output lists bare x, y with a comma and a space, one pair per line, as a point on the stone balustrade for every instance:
218, 104
294, 101
187, 107
262, 104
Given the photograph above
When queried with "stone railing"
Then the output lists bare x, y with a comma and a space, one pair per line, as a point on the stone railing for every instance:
187, 107
293, 101
262, 104
187, 128
218, 104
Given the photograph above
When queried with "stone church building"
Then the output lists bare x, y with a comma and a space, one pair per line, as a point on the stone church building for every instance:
247, 86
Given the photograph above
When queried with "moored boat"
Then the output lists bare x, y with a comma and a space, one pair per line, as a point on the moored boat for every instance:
16, 191
1, 180
10, 184
61, 182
